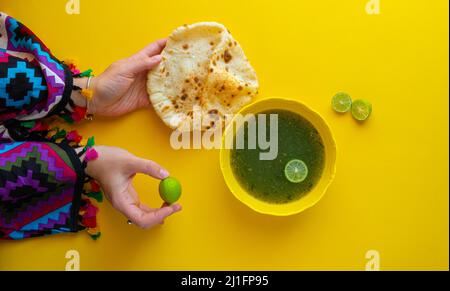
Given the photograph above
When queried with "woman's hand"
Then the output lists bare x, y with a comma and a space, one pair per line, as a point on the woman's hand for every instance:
122, 88
115, 169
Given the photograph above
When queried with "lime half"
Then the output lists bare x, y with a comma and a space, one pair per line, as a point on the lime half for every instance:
296, 171
341, 102
361, 109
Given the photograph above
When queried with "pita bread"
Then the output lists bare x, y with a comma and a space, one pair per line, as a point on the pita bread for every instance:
203, 67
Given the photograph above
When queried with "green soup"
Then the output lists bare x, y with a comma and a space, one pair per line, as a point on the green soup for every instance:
265, 180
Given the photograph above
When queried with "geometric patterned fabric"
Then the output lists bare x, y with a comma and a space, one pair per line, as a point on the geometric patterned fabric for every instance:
38, 185
33, 83
43, 187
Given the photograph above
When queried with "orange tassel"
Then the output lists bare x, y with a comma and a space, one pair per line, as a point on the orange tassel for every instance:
87, 93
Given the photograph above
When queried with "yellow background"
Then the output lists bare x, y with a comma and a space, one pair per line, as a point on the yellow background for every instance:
391, 189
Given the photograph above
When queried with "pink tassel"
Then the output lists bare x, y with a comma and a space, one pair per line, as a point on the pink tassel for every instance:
91, 154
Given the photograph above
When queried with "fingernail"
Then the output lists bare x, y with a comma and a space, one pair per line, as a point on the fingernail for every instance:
163, 173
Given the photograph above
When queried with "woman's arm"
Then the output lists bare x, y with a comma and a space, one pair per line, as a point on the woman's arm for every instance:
46, 173
41, 186
34, 84
43, 191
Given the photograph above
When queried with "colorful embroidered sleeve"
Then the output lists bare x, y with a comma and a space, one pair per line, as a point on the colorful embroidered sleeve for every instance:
33, 83
43, 187
41, 190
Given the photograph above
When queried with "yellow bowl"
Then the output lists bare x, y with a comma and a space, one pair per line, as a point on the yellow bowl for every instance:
305, 201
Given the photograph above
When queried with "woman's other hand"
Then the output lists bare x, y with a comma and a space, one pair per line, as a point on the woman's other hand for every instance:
115, 169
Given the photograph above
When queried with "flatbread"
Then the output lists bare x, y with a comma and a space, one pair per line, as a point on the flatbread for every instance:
203, 68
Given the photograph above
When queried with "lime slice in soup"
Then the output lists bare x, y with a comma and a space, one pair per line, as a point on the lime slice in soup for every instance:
296, 171
361, 109
341, 102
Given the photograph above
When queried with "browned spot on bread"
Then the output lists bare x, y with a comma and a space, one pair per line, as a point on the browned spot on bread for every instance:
197, 98
196, 79
240, 88
211, 43
165, 108
213, 111
184, 97
186, 46
211, 70
214, 63
230, 44
186, 81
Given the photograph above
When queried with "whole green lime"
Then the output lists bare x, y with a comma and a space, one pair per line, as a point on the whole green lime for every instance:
170, 190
